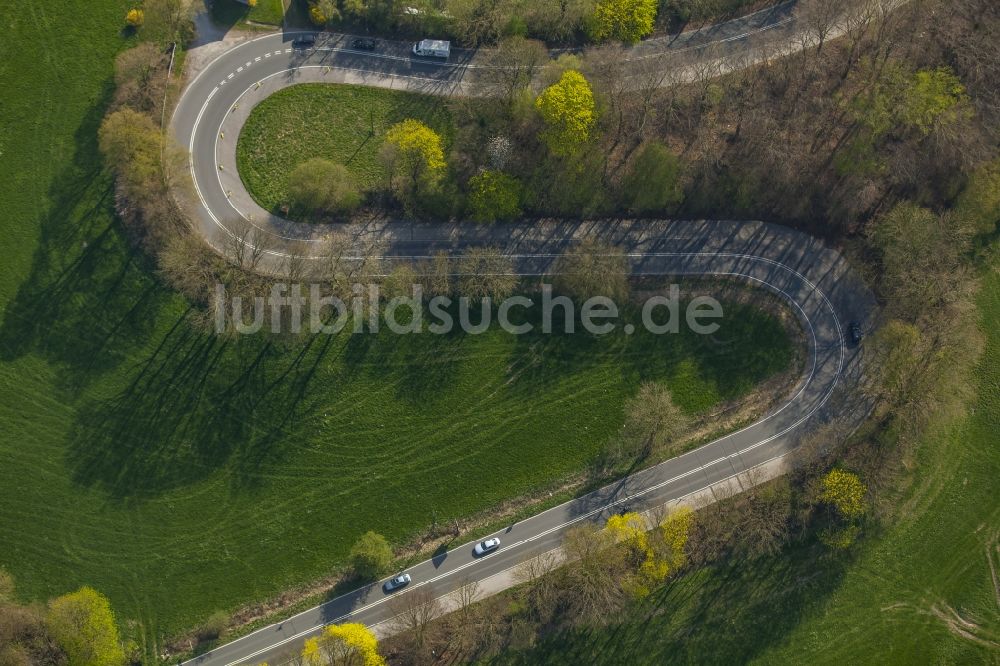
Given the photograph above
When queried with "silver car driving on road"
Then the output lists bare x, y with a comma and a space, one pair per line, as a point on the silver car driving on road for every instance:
484, 547
396, 583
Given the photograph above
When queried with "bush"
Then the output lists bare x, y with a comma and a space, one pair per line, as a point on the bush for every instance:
134, 18
371, 555
7, 589
322, 12
494, 195
214, 625
83, 625
844, 491
323, 186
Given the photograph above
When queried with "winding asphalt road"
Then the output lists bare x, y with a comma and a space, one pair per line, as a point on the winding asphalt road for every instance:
815, 281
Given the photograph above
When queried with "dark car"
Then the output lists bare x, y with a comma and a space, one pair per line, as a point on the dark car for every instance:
304, 42
855, 332
364, 44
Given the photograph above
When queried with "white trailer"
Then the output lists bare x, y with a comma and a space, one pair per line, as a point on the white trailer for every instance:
436, 48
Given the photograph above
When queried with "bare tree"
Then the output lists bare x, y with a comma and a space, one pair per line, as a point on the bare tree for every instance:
435, 274
350, 256
486, 272
819, 17
511, 67
591, 585
466, 596
591, 268
297, 264
244, 243
652, 419
189, 266
141, 77
413, 613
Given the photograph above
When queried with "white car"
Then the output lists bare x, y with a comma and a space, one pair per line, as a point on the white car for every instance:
484, 547
396, 583
435, 48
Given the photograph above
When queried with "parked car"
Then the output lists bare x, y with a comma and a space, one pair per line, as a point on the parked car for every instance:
857, 335
364, 44
484, 547
304, 42
436, 48
396, 583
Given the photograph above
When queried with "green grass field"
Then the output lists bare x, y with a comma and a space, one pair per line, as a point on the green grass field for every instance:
886, 604
342, 123
230, 12
179, 473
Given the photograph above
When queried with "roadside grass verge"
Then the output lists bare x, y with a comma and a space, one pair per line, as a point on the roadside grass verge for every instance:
342, 123
231, 12
921, 591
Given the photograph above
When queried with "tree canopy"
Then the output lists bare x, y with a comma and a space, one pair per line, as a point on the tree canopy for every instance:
844, 491
652, 418
350, 644
494, 195
323, 186
568, 110
592, 268
371, 555
624, 20
83, 625
420, 148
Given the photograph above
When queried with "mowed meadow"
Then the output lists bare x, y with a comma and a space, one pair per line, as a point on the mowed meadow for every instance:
180, 473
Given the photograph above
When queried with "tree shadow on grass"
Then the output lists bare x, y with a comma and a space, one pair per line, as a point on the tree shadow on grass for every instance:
196, 404
725, 614
183, 402
88, 300
732, 369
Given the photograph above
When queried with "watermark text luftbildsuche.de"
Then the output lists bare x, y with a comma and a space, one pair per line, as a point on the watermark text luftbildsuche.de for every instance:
296, 307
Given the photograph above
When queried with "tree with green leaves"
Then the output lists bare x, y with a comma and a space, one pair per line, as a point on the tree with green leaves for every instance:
415, 152
901, 103
83, 625
978, 207
557, 20
494, 195
931, 96
625, 20
321, 186
130, 143
371, 555
654, 182
568, 110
